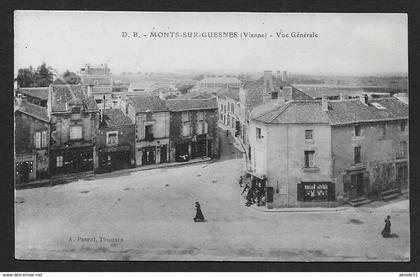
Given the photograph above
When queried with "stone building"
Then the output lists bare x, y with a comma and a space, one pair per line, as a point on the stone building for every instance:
229, 108
193, 128
97, 81
151, 118
265, 89
74, 122
325, 153
115, 142
32, 139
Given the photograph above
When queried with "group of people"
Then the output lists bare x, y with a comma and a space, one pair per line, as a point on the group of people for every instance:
254, 192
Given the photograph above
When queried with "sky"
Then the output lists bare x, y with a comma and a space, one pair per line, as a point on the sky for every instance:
347, 44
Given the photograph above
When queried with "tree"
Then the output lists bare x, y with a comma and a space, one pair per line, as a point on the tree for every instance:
69, 78
43, 76
25, 77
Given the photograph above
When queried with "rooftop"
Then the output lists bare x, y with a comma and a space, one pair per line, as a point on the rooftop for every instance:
148, 103
63, 94
33, 110
339, 112
191, 104
36, 92
116, 117
231, 93
220, 79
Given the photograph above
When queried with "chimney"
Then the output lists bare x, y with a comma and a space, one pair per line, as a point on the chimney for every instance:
364, 99
284, 76
268, 82
324, 103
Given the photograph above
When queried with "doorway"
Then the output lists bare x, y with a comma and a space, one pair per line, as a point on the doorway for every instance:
357, 188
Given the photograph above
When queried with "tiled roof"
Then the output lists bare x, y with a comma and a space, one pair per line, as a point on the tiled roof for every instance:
255, 91
199, 94
62, 94
148, 103
231, 93
33, 110
350, 111
101, 89
37, 92
116, 117
191, 104
339, 113
294, 112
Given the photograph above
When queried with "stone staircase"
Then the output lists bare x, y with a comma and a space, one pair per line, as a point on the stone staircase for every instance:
359, 201
390, 194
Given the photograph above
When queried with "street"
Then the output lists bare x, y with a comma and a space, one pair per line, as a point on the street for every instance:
148, 215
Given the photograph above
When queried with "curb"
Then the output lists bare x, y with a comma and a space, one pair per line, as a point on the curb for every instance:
300, 210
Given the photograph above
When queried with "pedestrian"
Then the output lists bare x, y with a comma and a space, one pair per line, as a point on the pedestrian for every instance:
245, 188
227, 133
386, 232
241, 181
199, 217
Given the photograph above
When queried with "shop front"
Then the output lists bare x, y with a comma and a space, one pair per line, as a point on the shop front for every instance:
114, 158
199, 146
71, 160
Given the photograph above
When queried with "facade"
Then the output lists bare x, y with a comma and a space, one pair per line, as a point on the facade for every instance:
97, 81
193, 128
32, 138
324, 153
74, 122
115, 143
264, 90
151, 118
229, 110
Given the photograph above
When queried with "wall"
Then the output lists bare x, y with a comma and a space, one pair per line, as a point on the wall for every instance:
25, 129
160, 122
379, 153
284, 163
210, 116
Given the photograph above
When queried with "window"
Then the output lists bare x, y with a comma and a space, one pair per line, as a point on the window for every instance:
357, 131
309, 159
357, 154
258, 131
98, 101
75, 132
185, 117
38, 140
232, 108
403, 149
186, 130
148, 131
59, 161
112, 138
221, 117
383, 127
202, 128
308, 134
96, 82
403, 126
200, 116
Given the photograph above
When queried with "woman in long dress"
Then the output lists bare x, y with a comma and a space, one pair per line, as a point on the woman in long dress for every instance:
386, 232
199, 214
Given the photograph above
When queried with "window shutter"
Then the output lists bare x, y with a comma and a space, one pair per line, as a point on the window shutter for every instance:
199, 128
206, 127
299, 192
44, 139
38, 140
